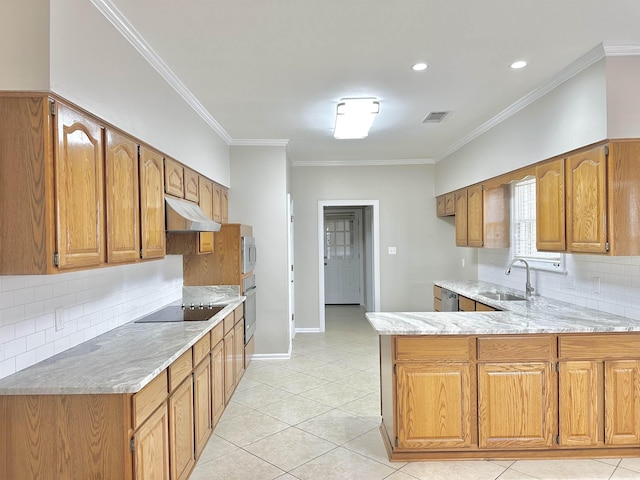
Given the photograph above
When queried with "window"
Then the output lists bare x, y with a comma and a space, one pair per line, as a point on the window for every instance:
523, 244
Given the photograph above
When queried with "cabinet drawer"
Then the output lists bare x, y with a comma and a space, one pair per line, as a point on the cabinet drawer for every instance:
179, 370
437, 305
149, 398
229, 322
481, 307
586, 347
201, 349
436, 349
437, 292
466, 304
239, 312
217, 333
516, 349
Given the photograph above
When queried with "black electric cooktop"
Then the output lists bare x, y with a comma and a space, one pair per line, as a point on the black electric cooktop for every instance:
178, 313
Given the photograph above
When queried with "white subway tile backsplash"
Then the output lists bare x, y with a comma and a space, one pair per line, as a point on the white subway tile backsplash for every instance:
94, 302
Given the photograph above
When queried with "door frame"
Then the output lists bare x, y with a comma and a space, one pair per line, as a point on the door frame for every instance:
375, 267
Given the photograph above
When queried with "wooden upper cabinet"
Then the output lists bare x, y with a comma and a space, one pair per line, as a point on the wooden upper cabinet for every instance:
205, 243
440, 206
191, 185
79, 172
586, 201
123, 199
550, 213
152, 222
475, 216
217, 203
224, 205
461, 218
446, 205
497, 213
174, 178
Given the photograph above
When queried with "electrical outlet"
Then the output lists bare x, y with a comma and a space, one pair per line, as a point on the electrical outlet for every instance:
596, 284
392, 250
59, 318
463, 263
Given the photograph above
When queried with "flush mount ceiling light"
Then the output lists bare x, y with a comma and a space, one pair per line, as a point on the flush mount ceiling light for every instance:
354, 117
418, 67
519, 64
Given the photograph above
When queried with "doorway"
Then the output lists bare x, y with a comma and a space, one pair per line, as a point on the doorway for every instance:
352, 274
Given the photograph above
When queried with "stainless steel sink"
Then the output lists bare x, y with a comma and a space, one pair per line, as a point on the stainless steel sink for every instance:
502, 297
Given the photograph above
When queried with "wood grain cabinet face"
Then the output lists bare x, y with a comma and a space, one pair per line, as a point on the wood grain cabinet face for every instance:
434, 405
586, 201
239, 351
461, 218
550, 213
229, 365
217, 203
202, 404
622, 402
181, 431
497, 215
79, 177
440, 206
224, 205
151, 448
152, 221
191, 185
174, 178
217, 382
475, 216
205, 244
123, 198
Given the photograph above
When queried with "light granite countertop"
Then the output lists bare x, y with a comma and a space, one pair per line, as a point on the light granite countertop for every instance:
538, 315
124, 359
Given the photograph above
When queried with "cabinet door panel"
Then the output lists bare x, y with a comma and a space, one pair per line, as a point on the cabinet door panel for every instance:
581, 403
434, 405
152, 222
224, 205
174, 178
202, 402
586, 201
229, 365
205, 244
622, 402
550, 215
475, 217
79, 162
440, 206
123, 199
461, 218
191, 185
217, 382
517, 405
239, 350
181, 431
151, 448
217, 203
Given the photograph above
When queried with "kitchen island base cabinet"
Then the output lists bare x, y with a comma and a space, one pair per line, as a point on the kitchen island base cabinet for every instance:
510, 396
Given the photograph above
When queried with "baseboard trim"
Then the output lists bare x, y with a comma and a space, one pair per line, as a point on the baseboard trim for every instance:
308, 330
271, 356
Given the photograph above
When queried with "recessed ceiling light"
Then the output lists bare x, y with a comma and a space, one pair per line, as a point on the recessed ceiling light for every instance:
518, 64
418, 67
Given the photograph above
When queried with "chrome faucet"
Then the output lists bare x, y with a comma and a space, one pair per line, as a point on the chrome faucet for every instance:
528, 288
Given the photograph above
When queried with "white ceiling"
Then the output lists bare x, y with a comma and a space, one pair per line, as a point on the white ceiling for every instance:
273, 70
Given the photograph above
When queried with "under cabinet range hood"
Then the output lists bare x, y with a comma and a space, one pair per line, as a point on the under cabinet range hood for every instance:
183, 216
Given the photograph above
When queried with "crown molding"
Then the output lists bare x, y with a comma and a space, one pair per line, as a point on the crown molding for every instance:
621, 50
128, 31
362, 163
562, 76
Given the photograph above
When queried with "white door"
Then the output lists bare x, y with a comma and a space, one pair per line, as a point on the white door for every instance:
292, 316
342, 258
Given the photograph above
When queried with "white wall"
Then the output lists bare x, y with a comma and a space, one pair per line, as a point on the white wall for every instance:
424, 243
24, 45
78, 54
259, 198
601, 101
572, 115
94, 302
93, 66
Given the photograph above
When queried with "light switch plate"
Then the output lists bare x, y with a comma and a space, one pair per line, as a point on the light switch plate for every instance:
392, 250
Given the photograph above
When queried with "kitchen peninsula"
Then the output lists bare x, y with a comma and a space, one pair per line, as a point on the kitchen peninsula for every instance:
137, 402
534, 379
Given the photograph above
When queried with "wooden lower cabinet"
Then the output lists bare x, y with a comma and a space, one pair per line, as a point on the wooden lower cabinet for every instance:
151, 448
517, 405
229, 365
181, 427
510, 396
217, 382
202, 394
434, 405
238, 359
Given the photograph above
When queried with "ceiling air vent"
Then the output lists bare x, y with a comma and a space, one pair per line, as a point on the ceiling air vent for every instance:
435, 117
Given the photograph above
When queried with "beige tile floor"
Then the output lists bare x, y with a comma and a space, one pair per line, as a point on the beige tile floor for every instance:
316, 417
